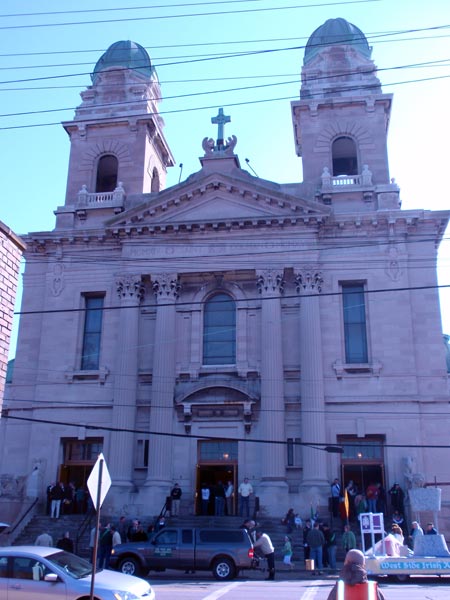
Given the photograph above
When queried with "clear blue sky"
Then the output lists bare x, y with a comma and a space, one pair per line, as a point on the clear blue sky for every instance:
191, 43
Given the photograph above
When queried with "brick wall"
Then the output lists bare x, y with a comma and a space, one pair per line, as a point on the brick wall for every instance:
11, 249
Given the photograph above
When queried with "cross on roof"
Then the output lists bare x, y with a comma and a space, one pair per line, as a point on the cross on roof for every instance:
220, 121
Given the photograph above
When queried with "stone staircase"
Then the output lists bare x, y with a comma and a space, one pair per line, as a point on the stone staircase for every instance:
72, 523
56, 528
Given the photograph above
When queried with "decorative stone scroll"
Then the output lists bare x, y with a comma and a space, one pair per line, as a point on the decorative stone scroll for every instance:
129, 287
210, 148
309, 279
270, 281
166, 285
58, 282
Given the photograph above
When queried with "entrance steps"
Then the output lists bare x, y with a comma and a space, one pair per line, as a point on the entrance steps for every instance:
56, 528
72, 523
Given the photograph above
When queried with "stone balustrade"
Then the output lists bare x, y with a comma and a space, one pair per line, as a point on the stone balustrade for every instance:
329, 182
112, 199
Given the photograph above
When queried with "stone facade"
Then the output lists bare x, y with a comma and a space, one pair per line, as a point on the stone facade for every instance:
248, 328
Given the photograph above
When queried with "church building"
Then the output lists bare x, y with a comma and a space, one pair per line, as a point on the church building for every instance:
230, 326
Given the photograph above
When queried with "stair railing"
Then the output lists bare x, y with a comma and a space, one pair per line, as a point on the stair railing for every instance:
85, 524
20, 522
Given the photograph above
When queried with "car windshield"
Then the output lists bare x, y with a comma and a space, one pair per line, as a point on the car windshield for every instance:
73, 565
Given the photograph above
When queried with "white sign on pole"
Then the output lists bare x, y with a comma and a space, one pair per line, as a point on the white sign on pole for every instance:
93, 481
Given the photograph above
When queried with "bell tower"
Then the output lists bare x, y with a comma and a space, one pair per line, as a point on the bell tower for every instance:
116, 136
341, 121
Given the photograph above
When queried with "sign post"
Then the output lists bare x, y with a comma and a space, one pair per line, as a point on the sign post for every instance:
373, 524
98, 484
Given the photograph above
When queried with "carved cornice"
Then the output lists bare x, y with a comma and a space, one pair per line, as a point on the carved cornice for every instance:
166, 285
270, 281
130, 287
309, 279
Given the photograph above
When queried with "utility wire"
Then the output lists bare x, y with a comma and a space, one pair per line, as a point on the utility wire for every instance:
224, 105
130, 8
224, 43
99, 427
236, 54
252, 87
184, 16
236, 300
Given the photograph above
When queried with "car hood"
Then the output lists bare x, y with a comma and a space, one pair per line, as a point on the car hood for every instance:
112, 580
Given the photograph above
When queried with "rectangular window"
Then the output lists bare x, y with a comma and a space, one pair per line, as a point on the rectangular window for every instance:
355, 333
219, 331
362, 448
225, 450
82, 451
293, 452
142, 453
90, 356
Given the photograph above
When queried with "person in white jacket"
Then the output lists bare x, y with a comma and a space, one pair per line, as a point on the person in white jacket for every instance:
45, 539
264, 545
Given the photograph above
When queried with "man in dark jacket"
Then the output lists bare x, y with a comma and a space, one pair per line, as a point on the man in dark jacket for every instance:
397, 499
175, 497
354, 574
316, 542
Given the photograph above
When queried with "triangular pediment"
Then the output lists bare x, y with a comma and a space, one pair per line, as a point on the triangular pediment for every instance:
218, 198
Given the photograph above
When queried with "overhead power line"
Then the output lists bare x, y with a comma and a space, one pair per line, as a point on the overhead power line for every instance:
186, 15
147, 432
441, 62
236, 300
223, 104
224, 42
248, 53
132, 8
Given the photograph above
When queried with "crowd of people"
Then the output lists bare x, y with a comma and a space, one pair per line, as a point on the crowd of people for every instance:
66, 499
317, 537
219, 498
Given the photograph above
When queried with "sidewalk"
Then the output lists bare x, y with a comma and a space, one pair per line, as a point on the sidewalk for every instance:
282, 573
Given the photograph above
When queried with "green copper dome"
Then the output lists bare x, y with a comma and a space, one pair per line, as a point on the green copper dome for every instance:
125, 54
336, 31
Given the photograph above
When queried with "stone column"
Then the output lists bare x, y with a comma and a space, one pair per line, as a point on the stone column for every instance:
273, 463
309, 284
121, 450
159, 475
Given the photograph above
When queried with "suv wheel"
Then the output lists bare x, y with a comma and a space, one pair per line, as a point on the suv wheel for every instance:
130, 566
224, 568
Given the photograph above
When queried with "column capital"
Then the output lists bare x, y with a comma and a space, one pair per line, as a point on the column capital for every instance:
308, 278
130, 287
270, 281
166, 286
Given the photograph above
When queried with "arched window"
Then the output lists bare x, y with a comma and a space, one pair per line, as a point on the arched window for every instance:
107, 169
155, 181
219, 331
345, 159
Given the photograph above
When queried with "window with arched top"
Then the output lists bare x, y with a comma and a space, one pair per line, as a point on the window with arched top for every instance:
155, 186
107, 171
219, 330
345, 157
